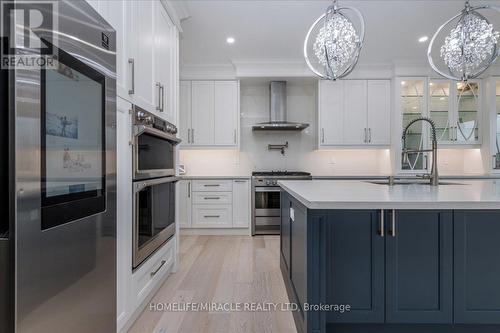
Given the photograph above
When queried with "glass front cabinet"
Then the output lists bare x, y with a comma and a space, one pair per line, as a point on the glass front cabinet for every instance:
453, 106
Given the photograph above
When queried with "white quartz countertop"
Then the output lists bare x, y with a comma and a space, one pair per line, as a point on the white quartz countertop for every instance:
359, 194
213, 177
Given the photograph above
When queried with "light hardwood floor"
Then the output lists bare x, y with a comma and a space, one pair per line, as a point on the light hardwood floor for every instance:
222, 269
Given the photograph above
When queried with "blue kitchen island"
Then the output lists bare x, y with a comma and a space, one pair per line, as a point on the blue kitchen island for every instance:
364, 257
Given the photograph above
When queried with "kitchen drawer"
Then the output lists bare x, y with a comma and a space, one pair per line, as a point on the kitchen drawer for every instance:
152, 271
213, 185
212, 216
211, 198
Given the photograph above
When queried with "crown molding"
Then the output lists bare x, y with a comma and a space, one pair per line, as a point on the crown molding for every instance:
207, 72
177, 11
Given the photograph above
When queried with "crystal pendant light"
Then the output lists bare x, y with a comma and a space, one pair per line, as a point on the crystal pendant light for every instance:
338, 43
470, 48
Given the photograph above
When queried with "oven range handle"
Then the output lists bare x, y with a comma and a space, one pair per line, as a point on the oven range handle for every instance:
267, 189
139, 129
142, 184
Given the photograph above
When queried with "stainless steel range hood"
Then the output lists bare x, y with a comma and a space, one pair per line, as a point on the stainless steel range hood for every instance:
277, 109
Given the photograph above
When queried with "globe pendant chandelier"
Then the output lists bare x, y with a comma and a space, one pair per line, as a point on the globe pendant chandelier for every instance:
338, 43
470, 48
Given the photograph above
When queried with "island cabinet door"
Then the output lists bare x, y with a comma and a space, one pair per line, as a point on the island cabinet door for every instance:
298, 231
285, 229
354, 265
477, 267
419, 267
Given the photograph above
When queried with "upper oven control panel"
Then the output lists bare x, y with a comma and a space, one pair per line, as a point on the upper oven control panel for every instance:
143, 117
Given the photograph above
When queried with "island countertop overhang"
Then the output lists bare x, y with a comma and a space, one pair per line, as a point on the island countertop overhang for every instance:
358, 194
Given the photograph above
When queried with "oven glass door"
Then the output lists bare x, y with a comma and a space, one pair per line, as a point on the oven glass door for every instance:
72, 139
155, 156
154, 216
267, 201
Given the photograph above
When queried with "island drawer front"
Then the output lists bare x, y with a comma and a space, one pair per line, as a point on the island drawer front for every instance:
212, 198
212, 216
213, 185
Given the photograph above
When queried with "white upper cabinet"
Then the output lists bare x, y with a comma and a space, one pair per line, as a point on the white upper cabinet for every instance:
331, 112
379, 112
226, 112
185, 112
209, 114
142, 54
165, 79
117, 13
354, 113
202, 113
147, 46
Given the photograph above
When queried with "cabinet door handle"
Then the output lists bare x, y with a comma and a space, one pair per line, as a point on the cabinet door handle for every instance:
192, 135
393, 231
189, 189
369, 135
163, 262
189, 135
132, 62
322, 135
162, 87
382, 223
235, 136
494, 161
158, 107
366, 135
211, 216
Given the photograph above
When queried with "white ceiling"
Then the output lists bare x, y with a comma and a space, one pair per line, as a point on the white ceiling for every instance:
274, 30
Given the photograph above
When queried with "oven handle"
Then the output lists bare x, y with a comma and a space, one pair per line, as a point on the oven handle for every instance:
140, 129
267, 189
140, 185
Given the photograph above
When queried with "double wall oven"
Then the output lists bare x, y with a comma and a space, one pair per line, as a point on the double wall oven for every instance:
154, 160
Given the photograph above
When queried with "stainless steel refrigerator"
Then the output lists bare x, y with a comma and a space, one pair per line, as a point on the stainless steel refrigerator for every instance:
58, 170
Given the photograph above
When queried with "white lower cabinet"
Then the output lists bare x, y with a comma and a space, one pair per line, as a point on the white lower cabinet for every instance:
214, 203
185, 202
212, 216
241, 203
152, 271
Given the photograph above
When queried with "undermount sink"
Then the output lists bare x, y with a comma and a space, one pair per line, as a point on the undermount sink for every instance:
410, 182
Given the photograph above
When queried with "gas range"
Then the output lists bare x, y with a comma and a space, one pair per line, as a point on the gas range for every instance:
270, 178
266, 199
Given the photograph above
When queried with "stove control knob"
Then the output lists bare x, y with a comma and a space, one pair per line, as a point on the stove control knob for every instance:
268, 182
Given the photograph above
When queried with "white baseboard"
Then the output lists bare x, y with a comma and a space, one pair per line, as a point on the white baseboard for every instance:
215, 232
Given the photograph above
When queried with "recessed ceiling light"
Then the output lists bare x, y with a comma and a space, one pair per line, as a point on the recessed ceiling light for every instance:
230, 40
403, 83
423, 39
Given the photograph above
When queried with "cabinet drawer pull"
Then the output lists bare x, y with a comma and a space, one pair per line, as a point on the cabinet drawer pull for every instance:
212, 198
132, 62
240, 181
211, 216
163, 262
211, 185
